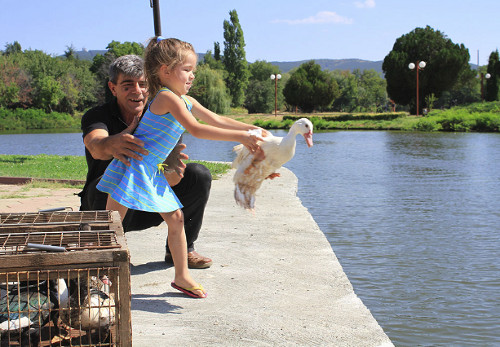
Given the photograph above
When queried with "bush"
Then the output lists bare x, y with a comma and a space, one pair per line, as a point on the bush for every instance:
273, 124
357, 116
427, 124
20, 119
483, 117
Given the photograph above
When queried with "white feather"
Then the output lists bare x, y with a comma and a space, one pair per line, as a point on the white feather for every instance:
15, 324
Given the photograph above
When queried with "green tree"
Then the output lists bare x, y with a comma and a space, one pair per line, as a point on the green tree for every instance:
466, 90
43, 72
310, 88
212, 62
491, 90
15, 86
217, 55
210, 90
70, 52
445, 61
11, 48
32, 75
261, 89
371, 90
117, 49
234, 59
79, 86
348, 86
49, 92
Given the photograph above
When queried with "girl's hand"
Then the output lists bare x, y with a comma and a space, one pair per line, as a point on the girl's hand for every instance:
251, 140
265, 133
259, 131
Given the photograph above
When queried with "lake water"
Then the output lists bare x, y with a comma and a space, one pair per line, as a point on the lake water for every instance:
412, 217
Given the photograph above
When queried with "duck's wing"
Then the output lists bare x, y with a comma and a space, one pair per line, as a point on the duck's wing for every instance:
241, 153
252, 169
19, 310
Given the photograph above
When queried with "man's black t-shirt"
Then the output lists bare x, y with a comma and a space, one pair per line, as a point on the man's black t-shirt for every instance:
106, 117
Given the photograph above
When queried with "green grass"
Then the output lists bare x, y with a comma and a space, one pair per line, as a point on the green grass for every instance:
67, 167
44, 166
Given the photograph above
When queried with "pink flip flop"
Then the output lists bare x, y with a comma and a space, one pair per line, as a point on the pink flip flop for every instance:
189, 291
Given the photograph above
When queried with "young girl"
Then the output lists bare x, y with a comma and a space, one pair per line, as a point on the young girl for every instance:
169, 70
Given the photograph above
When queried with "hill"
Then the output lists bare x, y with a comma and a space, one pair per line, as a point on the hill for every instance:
333, 64
89, 55
286, 66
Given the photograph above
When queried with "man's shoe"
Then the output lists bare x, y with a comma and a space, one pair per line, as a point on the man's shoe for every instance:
195, 260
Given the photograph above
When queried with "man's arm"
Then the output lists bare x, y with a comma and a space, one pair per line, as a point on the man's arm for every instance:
122, 146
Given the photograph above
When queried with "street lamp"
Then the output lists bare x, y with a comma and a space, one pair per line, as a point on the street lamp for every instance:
420, 65
275, 77
483, 76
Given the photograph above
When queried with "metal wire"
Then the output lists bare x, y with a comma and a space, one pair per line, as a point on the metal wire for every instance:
33, 296
54, 218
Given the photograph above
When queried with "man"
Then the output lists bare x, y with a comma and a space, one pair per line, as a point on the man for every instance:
107, 134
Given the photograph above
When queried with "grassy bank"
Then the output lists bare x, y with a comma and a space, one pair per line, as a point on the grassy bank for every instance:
484, 117
65, 167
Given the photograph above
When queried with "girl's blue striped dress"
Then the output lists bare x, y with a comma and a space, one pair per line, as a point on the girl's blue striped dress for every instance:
142, 185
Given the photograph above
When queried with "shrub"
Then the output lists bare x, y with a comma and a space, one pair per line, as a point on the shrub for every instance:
35, 119
427, 124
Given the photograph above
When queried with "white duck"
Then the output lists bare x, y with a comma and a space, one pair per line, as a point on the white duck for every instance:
253, 168
86, 309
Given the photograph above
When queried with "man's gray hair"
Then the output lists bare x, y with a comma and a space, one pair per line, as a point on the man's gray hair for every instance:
128, 65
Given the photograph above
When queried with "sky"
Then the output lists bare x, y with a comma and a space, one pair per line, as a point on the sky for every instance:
274, 30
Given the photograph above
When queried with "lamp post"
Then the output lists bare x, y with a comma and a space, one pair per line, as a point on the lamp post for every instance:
275, 77
419, 66
155, 5
483, 76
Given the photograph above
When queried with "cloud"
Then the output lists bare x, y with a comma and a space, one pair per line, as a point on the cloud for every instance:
365, 4
323, 17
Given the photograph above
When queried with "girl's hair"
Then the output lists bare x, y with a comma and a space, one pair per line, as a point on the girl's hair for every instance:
161, 51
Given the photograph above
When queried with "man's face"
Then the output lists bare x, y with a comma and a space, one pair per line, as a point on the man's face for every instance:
131, 94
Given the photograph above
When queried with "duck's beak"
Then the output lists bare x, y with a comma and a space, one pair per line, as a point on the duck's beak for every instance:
309, 138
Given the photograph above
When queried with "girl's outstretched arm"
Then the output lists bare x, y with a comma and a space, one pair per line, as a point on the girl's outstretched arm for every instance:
168, 102
209, 117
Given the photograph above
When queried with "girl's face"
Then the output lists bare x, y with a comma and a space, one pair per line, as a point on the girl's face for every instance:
180, 78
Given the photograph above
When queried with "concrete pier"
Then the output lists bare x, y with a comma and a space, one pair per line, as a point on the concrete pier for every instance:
275, 280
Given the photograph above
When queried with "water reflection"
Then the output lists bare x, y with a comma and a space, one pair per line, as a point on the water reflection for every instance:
34, 144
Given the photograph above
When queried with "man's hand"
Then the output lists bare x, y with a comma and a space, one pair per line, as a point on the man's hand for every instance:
174, 171
124, 145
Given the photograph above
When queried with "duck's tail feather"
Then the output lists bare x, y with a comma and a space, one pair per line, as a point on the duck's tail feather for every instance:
239, 156
244, 196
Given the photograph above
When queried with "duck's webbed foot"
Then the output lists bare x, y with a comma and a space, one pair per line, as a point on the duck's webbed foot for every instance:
273, 176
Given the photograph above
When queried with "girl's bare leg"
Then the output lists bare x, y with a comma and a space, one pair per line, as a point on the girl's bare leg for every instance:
178, 247
112, 205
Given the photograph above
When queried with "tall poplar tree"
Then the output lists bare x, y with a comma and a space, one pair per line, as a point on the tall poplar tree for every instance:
492, 83
234, 59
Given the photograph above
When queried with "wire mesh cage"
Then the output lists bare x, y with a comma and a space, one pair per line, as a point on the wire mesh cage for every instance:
64, 280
